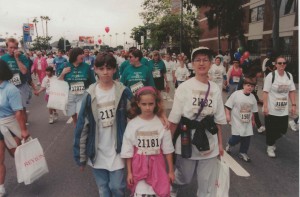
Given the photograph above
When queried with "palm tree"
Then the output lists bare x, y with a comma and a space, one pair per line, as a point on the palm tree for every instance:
35, 21
46, 18
42, 18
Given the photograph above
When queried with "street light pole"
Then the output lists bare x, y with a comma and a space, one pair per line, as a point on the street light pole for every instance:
124, 33
117, 39
181, 25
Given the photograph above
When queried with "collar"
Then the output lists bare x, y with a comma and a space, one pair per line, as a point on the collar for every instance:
3, 84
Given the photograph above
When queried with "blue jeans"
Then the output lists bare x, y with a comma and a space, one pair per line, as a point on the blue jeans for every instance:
110, 183
245, 142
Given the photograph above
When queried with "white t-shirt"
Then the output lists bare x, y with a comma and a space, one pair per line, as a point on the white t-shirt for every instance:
186, 103
278, 101
107, 158
50, 62
242, 108
170, 67
149, 136
181, 74
264, 64
120, 60
216, 74
46, 83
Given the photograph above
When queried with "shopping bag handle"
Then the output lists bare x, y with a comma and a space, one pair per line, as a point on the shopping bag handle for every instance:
23, 141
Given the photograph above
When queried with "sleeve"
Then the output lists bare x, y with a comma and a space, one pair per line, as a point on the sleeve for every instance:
123, 78
229, 102
219, 116
167, 144
178, 104
14, 99
268, 83
128, 142
254, 107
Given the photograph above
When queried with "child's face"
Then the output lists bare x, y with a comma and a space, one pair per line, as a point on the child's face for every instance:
248, 88
105, 73
49, 74
147, 104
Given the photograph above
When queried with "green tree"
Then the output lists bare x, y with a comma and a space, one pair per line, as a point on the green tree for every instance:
41, 43
154, 10
63, 45
35, 21
227, 16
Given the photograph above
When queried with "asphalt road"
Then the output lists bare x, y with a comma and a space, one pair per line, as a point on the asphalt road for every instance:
274, 177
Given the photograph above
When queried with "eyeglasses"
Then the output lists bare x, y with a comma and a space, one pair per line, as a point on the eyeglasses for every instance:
131, 56
201, 60
281, 63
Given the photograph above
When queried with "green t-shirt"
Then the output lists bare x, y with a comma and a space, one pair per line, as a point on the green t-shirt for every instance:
12, 63
158, 69
79, 76
132, 76
126, 63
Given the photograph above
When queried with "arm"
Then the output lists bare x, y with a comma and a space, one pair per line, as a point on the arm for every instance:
292, 96
229, 75
64, 72
265, 101
129, 171
228, 114
221, 150
37, 92
169, 158
22, 65
20, 119
173, 128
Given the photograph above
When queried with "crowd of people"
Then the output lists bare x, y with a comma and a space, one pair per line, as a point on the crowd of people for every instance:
116, 101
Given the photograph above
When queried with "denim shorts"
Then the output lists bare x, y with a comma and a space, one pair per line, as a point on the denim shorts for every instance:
74, 103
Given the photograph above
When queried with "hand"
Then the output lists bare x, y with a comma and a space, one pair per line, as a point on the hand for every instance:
66, 70
36, 93
221, 150
266, 111
171, 177
16, 54
293, 110
24, 134
129, 179
228, 118
167, 89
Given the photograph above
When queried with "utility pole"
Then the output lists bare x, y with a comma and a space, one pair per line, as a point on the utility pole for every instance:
181, 25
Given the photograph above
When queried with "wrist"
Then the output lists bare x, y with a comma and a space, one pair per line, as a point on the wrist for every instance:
294, 105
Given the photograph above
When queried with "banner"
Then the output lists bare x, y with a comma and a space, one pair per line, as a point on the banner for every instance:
86, 39
26, 29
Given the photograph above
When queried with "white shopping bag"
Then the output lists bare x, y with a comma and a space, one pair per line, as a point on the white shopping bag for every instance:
58, 94
30, 162
222, 182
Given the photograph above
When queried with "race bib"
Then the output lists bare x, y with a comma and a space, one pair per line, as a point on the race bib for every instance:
281, 103
77, 87
236, 79
156, 74
245, 117
135, 87
106, 113
283, 89
198, 98
16, 80
148, 142
88, 62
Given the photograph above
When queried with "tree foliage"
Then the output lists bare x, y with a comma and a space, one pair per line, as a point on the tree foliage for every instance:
154, 10
41, 43
227, 15
61, 44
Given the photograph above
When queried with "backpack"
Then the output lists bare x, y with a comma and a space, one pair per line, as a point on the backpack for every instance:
273, 75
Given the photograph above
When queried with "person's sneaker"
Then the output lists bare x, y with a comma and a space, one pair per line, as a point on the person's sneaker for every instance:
261, 129
244, 157
169, 99
2, 192
55, 116
51, 119
270, 151
27, 123
173, 192
228, 148
293, 125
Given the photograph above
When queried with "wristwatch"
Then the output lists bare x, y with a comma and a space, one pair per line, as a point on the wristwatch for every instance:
294, 105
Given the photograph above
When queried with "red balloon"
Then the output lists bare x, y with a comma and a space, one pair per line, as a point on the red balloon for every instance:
99, 41
242, 59
107, 29
246, 54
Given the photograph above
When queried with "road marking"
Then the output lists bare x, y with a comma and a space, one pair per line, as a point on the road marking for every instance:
70, 120
234, 166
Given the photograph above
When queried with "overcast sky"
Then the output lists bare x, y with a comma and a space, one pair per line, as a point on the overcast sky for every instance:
73, 18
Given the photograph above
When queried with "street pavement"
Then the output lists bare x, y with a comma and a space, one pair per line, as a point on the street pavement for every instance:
274, 177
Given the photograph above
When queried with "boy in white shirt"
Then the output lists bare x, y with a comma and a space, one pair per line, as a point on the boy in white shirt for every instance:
240, 107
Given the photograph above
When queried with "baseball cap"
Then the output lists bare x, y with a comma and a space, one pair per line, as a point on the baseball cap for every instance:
201, 50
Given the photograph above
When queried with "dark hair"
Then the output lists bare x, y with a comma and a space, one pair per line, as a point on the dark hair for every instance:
137, 53
106, 59
132, 49
218, 58
5, 72
135, 110
251, 81
49, 69
74, 54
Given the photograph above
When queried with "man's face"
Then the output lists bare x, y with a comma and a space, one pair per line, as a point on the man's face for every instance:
86, 52
11, 47
201, 64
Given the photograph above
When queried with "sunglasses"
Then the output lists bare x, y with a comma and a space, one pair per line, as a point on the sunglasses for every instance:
281, 63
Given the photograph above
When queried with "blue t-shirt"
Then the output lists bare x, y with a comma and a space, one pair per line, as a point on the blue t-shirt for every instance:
12, 63
90, 61
59, 63
10, 99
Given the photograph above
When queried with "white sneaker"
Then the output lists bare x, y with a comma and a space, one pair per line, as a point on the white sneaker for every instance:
38, 83
244, 157
261, 129
173, 192
51, 119
55, 116
228, 148
293, 125
270, 151
2, 192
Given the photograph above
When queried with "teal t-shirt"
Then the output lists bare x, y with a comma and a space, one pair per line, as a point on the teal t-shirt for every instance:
80, 77
126, 63
144, 61
18, 77
158, 69
133, 76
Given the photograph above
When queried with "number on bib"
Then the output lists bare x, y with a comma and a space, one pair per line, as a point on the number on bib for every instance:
16, 80
106, 113
148, 142
77, 87
281, 103
135, 87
